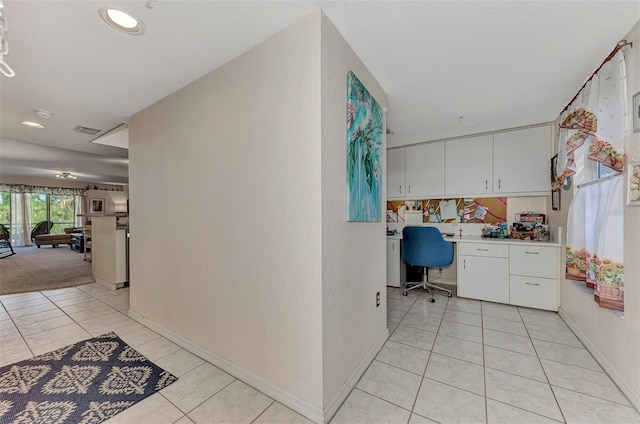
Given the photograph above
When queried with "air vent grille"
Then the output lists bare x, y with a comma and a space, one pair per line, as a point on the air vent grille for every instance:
86, 130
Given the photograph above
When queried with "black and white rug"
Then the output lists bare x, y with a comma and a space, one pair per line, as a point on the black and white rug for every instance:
87, 382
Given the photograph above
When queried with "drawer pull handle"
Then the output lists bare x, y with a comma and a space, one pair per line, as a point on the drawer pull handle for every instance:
532, 284
532, 253
464, 264
483, 250
393, 247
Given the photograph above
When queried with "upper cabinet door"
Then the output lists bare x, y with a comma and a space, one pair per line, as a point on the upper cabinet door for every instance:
395, 174
425, 170
521, 161
469, 166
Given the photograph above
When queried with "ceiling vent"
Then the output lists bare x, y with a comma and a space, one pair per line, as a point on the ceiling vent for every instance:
86, 130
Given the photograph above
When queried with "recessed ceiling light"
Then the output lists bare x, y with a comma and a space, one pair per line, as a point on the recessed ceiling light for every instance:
32, 124
121, 20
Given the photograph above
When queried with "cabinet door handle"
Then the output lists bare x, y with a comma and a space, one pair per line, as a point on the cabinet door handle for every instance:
400, 189
486, 184
483, 250
393, 246
532, 253
409, 189
532, 284
498, 184
464, 264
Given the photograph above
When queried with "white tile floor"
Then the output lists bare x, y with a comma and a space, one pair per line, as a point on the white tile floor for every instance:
453, 361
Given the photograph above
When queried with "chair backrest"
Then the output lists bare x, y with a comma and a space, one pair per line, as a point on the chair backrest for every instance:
424, 246
42, 227
4, 233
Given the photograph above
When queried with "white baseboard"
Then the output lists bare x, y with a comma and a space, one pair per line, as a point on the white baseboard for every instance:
312, 412
335, 403
633, 397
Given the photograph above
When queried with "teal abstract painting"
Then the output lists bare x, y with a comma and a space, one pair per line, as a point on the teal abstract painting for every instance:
364, 144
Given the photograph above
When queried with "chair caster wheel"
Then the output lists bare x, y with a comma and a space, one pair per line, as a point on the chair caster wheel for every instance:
432, 300
404, 293
450, 295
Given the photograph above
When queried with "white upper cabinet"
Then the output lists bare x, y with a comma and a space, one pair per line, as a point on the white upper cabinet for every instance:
424, 171
521, 161
395, 174
469, 166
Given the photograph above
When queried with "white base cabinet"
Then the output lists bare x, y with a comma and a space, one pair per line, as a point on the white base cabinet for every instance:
396, 274
523, 275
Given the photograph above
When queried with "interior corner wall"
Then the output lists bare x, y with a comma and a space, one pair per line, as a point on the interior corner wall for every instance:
225, 185
615, 340
353, 253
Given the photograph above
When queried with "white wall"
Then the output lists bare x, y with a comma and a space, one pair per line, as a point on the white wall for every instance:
226, 241
615, 340
353, 253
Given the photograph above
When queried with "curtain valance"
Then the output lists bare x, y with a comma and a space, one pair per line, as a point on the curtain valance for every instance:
25, 188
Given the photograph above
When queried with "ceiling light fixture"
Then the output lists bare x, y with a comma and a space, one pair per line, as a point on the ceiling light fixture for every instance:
66, 175
32, 124
121, 20
44, 114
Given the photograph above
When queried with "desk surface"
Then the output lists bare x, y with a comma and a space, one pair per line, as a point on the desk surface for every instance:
479, 239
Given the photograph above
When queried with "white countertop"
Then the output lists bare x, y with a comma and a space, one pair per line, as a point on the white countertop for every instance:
479, 239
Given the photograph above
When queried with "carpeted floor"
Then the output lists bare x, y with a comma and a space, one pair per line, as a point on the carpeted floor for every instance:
32, 269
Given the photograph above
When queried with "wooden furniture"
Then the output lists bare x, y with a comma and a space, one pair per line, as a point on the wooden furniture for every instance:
109, 252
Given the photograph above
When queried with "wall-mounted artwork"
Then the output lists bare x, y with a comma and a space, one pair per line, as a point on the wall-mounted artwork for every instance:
364, 145
96, 205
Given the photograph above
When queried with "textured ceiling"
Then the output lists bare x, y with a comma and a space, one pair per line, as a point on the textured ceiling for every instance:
499, 64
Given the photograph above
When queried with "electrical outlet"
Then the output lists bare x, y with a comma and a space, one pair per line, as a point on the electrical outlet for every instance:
377, 299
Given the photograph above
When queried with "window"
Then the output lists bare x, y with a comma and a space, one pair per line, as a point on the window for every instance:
56, 208
5, 209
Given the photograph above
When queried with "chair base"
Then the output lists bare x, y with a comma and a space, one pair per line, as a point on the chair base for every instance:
426, 285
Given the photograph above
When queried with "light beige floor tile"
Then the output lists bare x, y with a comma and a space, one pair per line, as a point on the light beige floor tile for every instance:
504, 325
157, 348
463, 318
508, 341
114, 321
501, 413
521, 392
363, 408
179, 362
22, 303
280, 414
461, 331
422, 339
154, 409
403, 356
400, 304
236, 403
554, 335
31, 310
70, 297
498, 310
45, 325
37, 317
84, 305
464, 305
13, 350
8, 331
514, 363
391, 326
196, 386
594, 383
552, 320
459, 348
455, 372
184, 420
97, 309
3, 314
394, 315
391, 384
56, 338
578, 356
419, 419
9, 299
426, 308
443, 403
138, 336
422, 322
583, 409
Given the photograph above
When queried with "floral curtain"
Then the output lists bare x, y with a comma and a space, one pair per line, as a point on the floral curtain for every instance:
25, 188
593, 128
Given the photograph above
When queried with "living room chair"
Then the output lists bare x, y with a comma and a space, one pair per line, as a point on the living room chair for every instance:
42, 227
425, 247
5, 242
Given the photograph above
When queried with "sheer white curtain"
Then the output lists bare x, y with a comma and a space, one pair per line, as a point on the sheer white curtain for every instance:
595, 126
20, 219
79, 201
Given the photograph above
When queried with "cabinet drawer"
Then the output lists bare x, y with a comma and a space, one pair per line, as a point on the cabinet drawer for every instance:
484, 249
541, 293
535, 261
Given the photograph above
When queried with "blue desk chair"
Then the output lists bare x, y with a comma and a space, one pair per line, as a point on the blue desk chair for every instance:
425, 247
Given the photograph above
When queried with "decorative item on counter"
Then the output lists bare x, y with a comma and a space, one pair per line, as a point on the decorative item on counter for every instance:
491, 231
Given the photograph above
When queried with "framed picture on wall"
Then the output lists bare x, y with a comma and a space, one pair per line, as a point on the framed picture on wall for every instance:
636, 112
96, 205
633, 183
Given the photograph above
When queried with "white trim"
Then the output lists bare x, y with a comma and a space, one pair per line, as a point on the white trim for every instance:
633, 397
311, 412
337, 400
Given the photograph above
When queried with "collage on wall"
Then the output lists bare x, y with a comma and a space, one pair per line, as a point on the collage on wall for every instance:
491, 210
